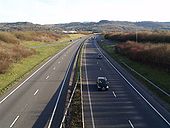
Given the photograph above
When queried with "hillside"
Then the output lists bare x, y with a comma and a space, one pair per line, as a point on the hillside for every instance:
108, 26
27, 26
101, 26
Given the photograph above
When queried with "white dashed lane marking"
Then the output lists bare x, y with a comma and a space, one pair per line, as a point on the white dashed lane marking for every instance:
15, 120
47, 77
36, 92
114, 94
131, 124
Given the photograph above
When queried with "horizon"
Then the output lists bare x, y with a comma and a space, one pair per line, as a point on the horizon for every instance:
86, 22
66, 11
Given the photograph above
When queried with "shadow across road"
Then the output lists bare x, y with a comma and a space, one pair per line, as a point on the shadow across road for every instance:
45, 115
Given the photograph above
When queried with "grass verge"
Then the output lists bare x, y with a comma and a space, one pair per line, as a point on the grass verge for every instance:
157, 76
24, 66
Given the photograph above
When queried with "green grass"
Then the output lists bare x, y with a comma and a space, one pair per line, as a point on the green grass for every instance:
31, 44
158, 76
19, 69
76, 121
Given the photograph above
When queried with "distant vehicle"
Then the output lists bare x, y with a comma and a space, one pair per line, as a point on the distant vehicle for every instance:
99, 56
102, 83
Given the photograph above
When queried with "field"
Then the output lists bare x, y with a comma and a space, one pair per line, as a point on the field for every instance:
20, 52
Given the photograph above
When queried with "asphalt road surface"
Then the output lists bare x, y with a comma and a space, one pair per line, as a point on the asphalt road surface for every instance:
125, 105
38, 100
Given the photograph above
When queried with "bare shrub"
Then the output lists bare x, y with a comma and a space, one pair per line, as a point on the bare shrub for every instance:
8, 38
37, 36
4, 66
12, 53
146, 36
18, 52
4, 60
153, 54
27, 36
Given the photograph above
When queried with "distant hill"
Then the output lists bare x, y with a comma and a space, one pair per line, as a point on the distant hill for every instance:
27, 26
154, 25
101, 26
107, 26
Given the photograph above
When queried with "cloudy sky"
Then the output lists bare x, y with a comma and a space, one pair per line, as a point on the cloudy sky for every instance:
64, 11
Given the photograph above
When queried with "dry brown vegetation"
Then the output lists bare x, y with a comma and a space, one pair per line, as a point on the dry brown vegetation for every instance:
10, 53
36, 36
152, 54
11, 49
146, 36
153, 48
8, 38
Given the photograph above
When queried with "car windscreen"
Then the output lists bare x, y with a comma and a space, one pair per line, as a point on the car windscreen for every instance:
102, 81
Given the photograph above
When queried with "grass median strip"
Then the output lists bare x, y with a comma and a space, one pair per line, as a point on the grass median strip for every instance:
76, 121
19, 69
76, 111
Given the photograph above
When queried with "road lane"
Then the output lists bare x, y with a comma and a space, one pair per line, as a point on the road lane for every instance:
89, 97
125, 110
31, 104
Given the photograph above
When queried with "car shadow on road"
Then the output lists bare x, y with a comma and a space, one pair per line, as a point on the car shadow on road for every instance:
92, 88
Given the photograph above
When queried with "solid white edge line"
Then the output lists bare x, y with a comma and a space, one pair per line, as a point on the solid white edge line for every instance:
131, 124
33, 74
56, 104
81, 87
91, 111
36, 92
14, 121
134, 88
114, 94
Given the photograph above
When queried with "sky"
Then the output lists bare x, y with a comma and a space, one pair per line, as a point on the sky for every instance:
65, 11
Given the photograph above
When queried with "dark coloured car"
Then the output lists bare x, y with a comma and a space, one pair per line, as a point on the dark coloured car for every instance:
102, 83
